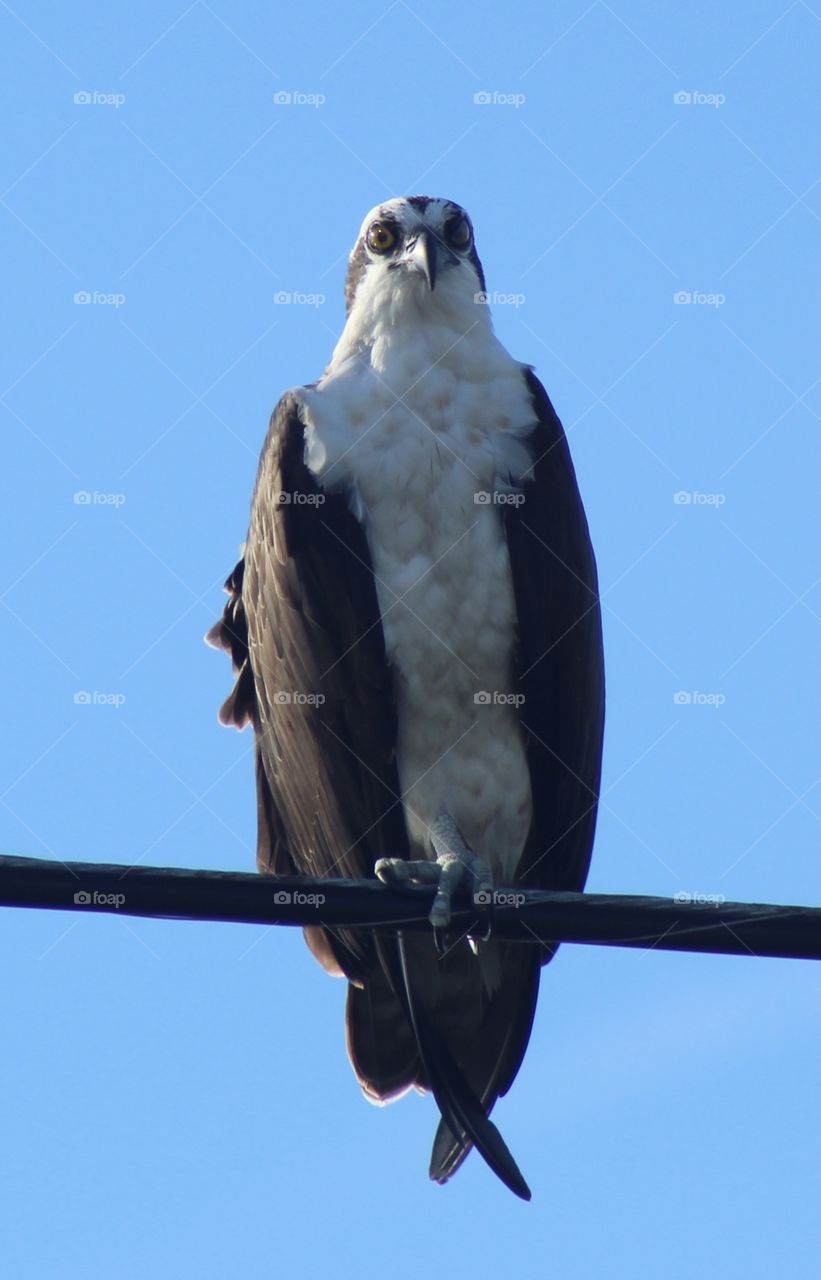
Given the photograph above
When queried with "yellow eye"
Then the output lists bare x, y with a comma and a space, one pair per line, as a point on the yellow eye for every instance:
458, 233
380, 237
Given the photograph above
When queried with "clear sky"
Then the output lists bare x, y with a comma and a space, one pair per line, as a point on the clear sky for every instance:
176, 1098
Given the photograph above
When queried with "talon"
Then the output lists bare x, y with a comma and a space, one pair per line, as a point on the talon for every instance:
392, 871
441, 942
477, 936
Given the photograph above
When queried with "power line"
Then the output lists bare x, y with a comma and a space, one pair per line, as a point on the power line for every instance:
699, 924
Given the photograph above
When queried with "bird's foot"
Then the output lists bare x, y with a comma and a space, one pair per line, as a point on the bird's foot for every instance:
455, 862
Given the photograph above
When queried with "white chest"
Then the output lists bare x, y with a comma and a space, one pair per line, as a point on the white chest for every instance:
431, 452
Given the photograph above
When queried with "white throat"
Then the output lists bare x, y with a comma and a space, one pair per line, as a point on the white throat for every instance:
393, 308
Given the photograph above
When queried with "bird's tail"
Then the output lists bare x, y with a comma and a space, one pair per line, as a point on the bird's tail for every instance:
493, 1060
456, 1025
465, 1120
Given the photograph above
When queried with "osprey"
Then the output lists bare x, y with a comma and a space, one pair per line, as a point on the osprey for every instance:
416, 635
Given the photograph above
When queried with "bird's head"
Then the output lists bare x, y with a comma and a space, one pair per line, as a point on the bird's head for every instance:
415, 250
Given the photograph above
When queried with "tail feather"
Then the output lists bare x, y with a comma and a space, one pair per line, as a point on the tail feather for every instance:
505, 1032
457, 1026
462, 1112
449, 1153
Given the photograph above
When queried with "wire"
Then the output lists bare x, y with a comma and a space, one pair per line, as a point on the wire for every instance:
533, 917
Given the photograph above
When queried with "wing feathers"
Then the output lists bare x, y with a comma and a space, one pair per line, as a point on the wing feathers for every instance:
231, 634
559, 660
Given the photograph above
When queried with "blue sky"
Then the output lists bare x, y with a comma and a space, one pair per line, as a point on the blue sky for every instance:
177, 1099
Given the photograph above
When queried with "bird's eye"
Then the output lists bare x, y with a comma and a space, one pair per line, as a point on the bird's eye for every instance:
458, 233
380, 237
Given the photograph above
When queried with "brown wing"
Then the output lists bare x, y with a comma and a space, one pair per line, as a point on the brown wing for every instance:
304, 631
559, 658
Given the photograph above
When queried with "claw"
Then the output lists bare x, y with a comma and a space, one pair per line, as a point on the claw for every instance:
392, 871
441, 941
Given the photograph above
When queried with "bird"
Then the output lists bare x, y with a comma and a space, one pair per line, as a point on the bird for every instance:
415, 630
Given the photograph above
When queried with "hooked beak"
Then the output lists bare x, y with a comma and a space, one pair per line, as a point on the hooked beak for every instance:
427, 255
